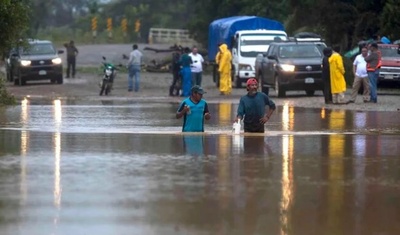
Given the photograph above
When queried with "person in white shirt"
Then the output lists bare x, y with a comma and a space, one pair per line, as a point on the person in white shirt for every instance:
360, 76
196, 67
134, 67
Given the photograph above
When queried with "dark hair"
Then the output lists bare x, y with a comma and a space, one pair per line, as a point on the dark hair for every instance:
374, 45
186, 50
135, 46
327, 51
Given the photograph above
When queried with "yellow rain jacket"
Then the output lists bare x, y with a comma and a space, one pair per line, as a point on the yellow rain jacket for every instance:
338, 83
224, 69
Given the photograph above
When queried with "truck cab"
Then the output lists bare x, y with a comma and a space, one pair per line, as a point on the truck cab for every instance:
246, 45
390, 69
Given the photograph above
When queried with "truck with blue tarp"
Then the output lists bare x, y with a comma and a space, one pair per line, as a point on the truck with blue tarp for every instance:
246, 37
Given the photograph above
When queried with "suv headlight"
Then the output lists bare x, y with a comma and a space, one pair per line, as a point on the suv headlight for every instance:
287, 67
56, 61
245, 67
25, 62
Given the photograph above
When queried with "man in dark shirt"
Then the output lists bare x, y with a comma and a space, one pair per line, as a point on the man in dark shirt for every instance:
326, 77
252, 107
72, 52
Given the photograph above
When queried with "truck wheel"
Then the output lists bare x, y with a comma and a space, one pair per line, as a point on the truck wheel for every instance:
310, 92
238, 82
60, 79
278, 88
264, 89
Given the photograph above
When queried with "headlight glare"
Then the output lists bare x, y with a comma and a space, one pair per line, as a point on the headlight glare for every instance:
287, 67
56, 61
25, 62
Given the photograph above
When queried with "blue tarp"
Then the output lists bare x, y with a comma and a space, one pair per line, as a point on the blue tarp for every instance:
222, 30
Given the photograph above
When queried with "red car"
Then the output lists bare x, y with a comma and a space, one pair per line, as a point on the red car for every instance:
390, 69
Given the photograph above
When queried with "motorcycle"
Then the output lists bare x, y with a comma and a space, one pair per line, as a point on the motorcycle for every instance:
109, 73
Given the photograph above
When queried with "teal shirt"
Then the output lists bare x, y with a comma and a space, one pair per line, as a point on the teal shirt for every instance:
252, 108
194, 122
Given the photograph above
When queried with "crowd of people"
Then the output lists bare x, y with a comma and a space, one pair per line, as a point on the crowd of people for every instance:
366, 68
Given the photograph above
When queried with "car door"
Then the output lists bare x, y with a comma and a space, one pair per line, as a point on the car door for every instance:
268, 66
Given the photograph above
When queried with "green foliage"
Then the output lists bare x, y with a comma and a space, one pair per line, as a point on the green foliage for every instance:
14, 22
390, 20
5, 97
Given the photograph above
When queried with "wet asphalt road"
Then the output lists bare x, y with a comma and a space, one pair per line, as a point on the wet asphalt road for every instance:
125, 168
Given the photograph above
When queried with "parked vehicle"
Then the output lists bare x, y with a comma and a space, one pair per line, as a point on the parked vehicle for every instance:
245, 36
39, 61
390, 69
291, 66
109, 74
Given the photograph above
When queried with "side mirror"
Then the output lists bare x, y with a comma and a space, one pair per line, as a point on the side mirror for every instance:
14, 55
272, 57
60, 51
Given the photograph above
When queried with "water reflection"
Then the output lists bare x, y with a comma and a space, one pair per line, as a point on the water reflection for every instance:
194, 144
297, 180
287, 183
57, 152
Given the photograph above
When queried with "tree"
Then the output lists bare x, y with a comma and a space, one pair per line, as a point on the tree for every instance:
390, 21
14, 21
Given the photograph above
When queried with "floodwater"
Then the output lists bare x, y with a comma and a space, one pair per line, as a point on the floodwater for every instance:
124, 168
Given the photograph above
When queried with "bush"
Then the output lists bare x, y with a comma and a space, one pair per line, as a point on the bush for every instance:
5, 97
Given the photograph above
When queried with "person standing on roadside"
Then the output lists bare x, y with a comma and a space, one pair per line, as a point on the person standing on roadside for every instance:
360, 76
373, 65
176, 67
255, 108
185, 62
338, 83
326, 77
197, 67
194, 110
224, 69
72, 53
134, 66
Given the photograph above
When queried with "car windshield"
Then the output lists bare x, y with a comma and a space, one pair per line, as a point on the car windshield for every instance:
253, 44
39, 49
299, 51
389, 52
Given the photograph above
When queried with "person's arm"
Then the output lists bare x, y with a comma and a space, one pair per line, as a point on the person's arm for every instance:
207, 114
355, 66
268, 111
183, 109
339, 64
130, 59
240, 111
76, 51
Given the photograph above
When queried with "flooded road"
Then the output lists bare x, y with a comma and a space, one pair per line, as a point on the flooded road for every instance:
70, 167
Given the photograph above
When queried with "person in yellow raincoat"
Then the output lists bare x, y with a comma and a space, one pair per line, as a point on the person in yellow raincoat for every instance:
338, 83
224, 69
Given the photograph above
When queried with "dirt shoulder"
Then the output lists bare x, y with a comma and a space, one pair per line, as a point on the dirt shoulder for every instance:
154, 88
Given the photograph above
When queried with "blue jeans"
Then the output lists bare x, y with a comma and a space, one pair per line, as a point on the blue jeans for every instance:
373, 78
134, 71
196, 78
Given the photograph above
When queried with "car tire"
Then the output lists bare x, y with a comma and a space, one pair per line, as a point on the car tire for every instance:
280, 91
20, 81
264, 89
238, 82
310, 92
60, 79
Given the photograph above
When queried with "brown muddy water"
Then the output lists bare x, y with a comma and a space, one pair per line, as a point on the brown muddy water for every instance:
124, 168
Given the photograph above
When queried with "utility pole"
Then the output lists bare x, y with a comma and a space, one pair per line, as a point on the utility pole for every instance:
94, 28
109, 28
124, 26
